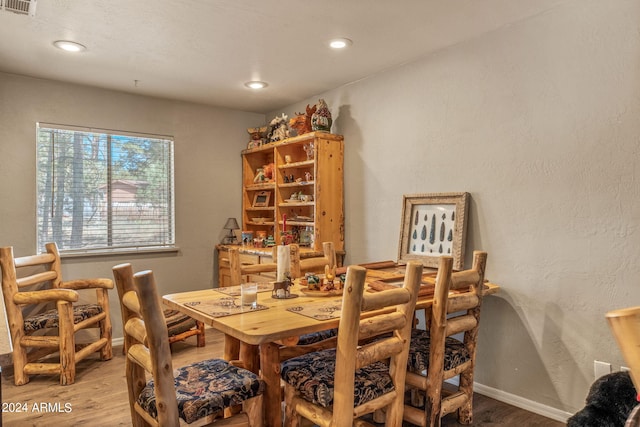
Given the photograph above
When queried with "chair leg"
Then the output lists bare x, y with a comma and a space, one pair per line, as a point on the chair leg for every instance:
417, 398
106, 352
67, 347
291, 418
433, 407
465, 412
19, 362
106, 330
200, 336
254, 410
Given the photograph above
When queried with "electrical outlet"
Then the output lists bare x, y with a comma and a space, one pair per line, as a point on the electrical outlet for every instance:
601, 368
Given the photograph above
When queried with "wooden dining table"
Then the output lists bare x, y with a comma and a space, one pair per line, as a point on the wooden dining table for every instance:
279, 322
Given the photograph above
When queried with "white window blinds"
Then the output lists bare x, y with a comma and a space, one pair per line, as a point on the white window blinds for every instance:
104, 190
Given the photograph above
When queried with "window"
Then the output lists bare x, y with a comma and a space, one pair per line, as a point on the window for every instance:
104, 190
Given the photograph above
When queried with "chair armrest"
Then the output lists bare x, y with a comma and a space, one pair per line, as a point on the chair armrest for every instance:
88, 284
37, 297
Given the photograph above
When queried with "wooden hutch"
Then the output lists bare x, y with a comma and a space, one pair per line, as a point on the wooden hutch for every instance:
292, 191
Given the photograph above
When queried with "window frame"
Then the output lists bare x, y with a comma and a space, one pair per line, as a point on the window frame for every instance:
167, 230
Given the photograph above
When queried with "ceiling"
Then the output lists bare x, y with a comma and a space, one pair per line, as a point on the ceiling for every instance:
205, 50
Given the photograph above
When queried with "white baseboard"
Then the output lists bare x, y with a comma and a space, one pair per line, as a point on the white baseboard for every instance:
522, 403
117, 341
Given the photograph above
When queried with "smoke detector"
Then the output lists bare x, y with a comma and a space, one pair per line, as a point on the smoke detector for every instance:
23, 7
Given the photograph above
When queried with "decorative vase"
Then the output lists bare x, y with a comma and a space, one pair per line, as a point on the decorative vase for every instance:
321, 120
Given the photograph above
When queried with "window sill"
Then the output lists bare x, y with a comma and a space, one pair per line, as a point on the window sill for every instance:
114, 252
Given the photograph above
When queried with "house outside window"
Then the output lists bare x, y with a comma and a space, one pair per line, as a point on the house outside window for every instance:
102, 190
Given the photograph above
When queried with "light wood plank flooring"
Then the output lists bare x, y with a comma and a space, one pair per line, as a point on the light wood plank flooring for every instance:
99, 396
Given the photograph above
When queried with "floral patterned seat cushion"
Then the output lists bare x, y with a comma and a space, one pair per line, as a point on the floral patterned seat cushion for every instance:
313, 376
206, 387
315, 337
49, 319
455, 352
177, 322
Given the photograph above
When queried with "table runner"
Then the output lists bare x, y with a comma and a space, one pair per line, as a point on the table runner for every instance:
223, 307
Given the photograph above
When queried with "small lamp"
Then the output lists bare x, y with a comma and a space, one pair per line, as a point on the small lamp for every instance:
231, 225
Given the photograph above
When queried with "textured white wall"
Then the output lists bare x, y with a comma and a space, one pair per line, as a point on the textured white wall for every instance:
207, 172
539, 122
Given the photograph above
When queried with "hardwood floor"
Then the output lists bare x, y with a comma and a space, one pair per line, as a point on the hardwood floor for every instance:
99, 396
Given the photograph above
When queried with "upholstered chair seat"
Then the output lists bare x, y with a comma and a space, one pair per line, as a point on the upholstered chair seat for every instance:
50, 319
206, 388
455, 352
312, 375
316, 337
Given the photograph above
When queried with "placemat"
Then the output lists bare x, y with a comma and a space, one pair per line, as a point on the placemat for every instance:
223, 307
320, 310
234, 291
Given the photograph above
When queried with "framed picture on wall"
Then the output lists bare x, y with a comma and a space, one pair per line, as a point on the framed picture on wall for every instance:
433, 225
261, 199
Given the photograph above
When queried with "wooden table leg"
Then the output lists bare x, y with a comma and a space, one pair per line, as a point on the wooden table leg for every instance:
231, 348
250, 357
270, 368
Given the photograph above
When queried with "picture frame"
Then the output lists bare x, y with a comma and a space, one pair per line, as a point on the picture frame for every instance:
261, 199
433, 224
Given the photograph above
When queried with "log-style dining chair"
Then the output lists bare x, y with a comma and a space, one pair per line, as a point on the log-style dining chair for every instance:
200, 390
30, 285
335, 387
179, 325
440, 355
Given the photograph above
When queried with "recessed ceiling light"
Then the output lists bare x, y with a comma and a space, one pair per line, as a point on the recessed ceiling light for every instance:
255, 84
69, 46
341, 43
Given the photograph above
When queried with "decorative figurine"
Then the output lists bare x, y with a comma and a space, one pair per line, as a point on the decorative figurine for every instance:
260, 176
268, 171
321, 120
278, 128
257, 136
281, 289
308, 149
302, 121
